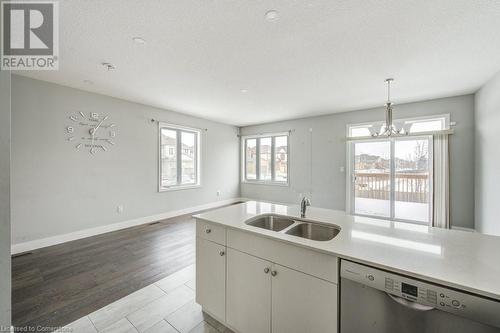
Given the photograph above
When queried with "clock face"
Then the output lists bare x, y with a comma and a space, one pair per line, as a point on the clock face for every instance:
90, 132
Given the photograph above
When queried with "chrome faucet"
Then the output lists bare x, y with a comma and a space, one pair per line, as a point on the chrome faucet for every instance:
303, 206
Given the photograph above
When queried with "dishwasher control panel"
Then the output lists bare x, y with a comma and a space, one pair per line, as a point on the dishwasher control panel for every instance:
413, 292
434, 296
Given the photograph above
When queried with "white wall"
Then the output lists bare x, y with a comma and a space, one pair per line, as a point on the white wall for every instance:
57, 189
328, 154
5, 274
487, 182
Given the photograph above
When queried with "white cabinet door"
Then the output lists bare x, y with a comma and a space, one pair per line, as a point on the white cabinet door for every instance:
302, 303
211, 277
248, 293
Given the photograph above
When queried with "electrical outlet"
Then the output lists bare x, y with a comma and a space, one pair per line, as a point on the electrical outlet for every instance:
119, 209
218, 193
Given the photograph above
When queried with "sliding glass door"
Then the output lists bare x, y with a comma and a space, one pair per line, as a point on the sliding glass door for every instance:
412, 179
372, 178
392, 178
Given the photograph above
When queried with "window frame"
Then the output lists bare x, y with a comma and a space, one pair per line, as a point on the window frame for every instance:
350, 182
443, 117
179, 129
257, 137
351, 140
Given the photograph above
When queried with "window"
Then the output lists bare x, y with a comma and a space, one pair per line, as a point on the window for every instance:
179, 157
251, 159
392, 178
266, 159
412, 126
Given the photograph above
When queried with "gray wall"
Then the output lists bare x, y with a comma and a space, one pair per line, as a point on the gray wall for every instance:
487, 184
5, 308
327, 139
57, 189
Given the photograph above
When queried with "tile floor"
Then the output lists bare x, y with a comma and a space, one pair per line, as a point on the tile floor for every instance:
167, 306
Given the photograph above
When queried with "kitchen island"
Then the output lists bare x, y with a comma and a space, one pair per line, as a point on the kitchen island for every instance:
465, 261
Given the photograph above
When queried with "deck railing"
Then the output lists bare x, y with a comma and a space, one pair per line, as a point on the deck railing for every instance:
409, 187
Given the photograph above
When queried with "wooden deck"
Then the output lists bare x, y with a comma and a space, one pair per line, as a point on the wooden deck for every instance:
408, 187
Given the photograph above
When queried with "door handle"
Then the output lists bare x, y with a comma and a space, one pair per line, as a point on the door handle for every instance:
409, 304
221, 253
266, 270
274, 273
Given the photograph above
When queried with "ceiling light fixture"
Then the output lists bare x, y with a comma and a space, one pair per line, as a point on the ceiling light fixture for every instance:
139, 40
244, 91
108, 66
390, 128
272, 15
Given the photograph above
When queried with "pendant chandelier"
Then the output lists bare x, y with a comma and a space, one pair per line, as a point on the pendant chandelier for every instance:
390, 128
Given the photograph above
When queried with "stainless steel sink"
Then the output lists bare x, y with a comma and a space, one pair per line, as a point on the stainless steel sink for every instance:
271, 222
295, 227
318, 232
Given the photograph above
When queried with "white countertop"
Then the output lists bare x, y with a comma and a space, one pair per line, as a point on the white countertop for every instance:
465, 260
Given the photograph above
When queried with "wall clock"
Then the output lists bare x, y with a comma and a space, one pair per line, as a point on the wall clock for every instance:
91, 132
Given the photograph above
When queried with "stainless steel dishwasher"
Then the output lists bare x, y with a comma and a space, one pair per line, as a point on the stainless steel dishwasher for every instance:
376, 301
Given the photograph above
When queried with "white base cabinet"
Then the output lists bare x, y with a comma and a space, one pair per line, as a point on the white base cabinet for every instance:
302, 303
257, 293
211, 277
248, 293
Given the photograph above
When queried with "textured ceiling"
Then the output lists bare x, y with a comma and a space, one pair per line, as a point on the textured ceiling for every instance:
319, 57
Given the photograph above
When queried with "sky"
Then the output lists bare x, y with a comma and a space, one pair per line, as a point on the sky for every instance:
403, 148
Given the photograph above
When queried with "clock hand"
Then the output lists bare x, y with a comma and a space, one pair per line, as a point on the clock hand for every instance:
99, 125
92, 143
92, 133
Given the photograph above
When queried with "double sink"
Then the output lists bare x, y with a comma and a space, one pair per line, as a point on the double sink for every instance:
295, 227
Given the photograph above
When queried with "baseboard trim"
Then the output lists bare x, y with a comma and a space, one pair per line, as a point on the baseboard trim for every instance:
463, 229
59, 239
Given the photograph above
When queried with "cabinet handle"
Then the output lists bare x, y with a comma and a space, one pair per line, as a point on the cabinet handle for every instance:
208, 230
274, 273
266, 270
221, 253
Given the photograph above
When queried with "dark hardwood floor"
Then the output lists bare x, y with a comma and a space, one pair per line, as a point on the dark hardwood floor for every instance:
59, 284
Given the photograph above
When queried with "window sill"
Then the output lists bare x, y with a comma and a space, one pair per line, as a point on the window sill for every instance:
256, 182
178, 188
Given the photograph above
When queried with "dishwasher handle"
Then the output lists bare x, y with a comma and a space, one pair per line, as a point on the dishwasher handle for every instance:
410, 304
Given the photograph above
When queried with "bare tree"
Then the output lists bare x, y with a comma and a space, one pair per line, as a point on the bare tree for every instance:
421, 151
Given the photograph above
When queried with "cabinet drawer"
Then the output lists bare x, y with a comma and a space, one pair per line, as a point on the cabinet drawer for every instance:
315, 263
211, 232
